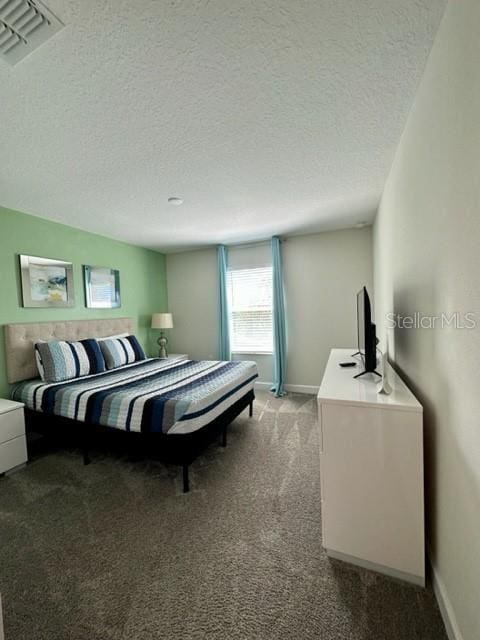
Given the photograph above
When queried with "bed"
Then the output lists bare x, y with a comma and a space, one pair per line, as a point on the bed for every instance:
177, 406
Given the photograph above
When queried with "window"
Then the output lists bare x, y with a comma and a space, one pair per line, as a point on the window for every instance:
250, 304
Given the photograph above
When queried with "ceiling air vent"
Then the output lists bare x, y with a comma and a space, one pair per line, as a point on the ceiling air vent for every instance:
24, 26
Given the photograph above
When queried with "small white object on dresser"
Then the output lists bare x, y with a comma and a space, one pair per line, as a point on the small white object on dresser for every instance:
371, 468
13, 443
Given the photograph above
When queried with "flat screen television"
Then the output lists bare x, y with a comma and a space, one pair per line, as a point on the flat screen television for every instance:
366, 337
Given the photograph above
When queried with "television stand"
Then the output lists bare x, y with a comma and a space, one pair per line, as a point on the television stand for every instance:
359, 375
371, 472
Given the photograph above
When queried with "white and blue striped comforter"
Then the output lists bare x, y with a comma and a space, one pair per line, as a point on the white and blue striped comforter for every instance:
147, 396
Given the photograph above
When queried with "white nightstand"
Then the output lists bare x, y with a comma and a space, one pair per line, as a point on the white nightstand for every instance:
172, 357
13, 443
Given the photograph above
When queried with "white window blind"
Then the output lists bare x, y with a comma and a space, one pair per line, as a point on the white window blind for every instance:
250, 306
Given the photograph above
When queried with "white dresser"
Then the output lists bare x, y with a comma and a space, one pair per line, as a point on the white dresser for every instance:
371, 466
13, 444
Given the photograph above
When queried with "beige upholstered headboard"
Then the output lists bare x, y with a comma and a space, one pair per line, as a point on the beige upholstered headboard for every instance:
20, 340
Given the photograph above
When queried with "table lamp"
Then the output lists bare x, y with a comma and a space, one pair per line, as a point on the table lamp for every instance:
162, 321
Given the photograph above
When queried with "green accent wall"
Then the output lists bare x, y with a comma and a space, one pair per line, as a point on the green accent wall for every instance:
143, 285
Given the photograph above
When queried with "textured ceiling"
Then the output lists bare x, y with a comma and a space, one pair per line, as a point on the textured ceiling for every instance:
266, 116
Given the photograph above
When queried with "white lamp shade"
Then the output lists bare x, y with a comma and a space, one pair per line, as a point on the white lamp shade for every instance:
162, 321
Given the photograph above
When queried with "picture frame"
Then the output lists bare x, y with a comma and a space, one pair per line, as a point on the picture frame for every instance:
102, 287
46, 282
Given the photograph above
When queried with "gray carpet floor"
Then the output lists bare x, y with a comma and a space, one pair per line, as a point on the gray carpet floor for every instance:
116, 551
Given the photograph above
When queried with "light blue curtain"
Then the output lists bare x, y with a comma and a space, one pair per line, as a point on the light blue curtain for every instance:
279, 329
224, 338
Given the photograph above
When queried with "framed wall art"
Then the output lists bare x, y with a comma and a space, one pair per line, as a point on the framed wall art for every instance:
46, 282
102, 287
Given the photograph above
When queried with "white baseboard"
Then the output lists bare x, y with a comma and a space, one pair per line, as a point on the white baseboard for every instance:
1, 619
263, 386
302, 388
293, 388
444, 603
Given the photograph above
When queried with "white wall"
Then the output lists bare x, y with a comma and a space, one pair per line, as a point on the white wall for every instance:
322, 273
193, 301
427, 259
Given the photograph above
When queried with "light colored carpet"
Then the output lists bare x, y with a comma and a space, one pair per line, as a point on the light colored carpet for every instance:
116, 551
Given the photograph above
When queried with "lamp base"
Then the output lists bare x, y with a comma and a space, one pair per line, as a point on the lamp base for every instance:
162, 346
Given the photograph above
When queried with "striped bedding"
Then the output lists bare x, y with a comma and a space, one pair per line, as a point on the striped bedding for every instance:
147, 396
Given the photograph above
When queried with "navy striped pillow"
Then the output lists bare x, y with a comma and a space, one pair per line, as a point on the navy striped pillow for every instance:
62, 360
120, 351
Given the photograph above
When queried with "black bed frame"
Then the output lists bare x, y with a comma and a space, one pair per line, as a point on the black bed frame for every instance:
179, 449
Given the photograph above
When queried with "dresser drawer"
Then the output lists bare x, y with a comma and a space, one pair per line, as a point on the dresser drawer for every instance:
12, 425
13, 453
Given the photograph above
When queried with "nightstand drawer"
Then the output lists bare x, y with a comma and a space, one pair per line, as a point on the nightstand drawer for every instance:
13, 453
12, 425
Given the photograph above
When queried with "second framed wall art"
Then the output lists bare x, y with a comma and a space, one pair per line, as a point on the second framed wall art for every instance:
102, 287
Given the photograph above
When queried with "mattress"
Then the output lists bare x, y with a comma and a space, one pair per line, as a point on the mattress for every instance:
148, 396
